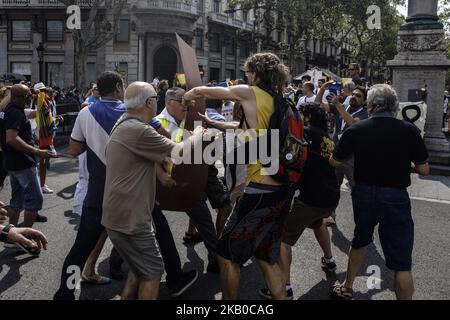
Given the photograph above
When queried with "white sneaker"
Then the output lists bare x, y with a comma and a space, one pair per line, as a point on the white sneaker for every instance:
46, 189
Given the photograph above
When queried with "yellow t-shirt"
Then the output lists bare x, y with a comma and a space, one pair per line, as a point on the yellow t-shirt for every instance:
264, 110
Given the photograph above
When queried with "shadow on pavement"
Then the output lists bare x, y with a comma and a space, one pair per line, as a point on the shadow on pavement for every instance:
68, 192
372, 258
9, 259
74, 218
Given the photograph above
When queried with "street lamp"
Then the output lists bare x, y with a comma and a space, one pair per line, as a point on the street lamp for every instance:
40, 51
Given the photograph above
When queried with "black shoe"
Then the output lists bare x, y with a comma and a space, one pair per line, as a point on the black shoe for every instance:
266, 294
187, 280
328, 266
116, 273
41, 218
213, 267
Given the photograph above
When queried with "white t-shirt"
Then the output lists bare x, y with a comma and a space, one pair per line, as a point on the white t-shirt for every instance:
304, 100
347, 101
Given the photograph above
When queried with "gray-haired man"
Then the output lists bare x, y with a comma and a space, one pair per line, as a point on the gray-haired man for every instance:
383, 149
133, 151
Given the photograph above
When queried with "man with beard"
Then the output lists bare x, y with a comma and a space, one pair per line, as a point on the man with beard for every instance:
344, 118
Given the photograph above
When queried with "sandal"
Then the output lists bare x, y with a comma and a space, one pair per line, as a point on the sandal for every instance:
342, 293
192, 237
101, 280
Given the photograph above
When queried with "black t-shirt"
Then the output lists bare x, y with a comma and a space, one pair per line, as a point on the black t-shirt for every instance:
318, 185
14, 118
384, 148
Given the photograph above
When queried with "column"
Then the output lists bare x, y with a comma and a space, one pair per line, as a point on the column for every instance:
141, 58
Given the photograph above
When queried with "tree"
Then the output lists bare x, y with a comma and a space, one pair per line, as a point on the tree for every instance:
334, 21
104, 30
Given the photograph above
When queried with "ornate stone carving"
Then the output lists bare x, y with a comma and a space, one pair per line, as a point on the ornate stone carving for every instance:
421, 43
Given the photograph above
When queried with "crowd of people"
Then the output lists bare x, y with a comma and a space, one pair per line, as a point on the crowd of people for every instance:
124, 138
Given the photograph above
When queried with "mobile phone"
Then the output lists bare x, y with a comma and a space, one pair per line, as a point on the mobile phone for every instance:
335, 88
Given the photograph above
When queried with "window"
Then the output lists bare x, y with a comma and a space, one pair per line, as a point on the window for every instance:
231, 47
21, 30
91, 73
214, 42
199, 39
229, 74
200, 6
122, 69
245, 16
245, 50
214, 74
55, 74
280, 36
23, 68
231, 14
217, 6
55, 30
124, 31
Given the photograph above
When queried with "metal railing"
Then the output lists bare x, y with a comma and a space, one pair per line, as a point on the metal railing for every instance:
175, 5
41, 3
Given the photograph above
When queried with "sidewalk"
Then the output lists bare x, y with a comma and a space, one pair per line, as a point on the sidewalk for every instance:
431, 188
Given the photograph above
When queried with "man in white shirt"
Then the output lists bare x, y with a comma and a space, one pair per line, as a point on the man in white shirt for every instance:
309, 97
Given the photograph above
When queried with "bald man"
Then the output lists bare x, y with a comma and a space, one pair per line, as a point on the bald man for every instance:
20, 158
134, 150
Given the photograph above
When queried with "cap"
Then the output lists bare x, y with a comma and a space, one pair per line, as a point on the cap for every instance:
39, 86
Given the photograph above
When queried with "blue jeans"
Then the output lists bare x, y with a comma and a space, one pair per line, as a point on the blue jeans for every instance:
26, 191
391, 209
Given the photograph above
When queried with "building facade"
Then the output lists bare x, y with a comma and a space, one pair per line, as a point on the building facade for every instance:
145, 46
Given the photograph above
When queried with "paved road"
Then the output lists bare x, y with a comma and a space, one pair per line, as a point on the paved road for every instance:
27, 278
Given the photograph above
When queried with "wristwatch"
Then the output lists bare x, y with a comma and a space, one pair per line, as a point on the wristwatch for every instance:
4, 233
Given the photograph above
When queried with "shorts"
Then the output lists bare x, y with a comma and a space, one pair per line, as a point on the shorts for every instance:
254, 228
141, 252
391, 209
26, 192
303, 216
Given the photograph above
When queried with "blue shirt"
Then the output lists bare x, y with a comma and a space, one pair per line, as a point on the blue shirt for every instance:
91, 99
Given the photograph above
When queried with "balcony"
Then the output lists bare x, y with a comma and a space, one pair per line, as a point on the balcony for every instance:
186, 6
22, 4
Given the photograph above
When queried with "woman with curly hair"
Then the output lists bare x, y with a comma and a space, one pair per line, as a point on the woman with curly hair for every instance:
254, 228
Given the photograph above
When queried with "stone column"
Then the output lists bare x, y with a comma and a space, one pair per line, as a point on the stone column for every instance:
3, 49
223, 65
421, 63
141, 58
420, 10
69, 59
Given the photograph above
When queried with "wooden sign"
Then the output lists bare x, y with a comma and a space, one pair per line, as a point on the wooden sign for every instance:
191, 179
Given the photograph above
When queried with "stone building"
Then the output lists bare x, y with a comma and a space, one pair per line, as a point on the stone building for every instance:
145, 46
